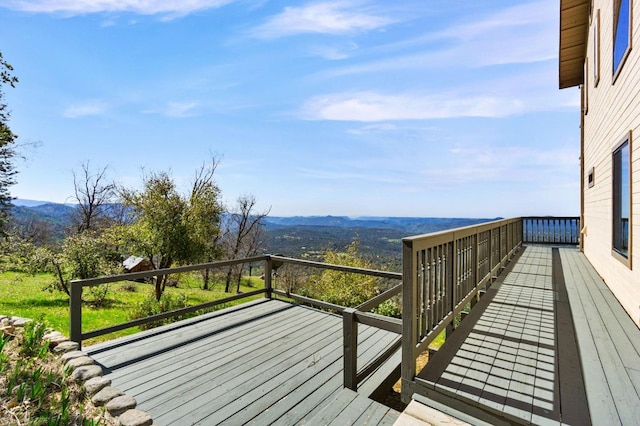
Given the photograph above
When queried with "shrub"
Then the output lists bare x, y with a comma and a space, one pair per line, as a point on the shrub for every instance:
389, 308
343, 288
129, 287
36, 389
150, 306
32, 344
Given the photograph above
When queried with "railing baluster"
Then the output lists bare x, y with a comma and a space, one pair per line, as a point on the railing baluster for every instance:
451, 267
558, 230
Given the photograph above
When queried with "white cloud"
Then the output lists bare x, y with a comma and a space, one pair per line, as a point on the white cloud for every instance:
142, 7
372, 106
175, 109
87, 108
180, 109
517, 35
373, 128
382, 177
322, 18
335, 53
472, 165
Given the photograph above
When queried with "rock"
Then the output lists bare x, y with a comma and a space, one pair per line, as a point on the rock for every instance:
53, 343
79, 362
19, 321
7, 329
67, 346
120, 404
53, 335
84, 373
93, 386
135, 418
73, 354
105, 395
4, 320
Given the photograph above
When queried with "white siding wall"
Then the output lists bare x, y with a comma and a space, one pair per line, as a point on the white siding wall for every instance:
613, 111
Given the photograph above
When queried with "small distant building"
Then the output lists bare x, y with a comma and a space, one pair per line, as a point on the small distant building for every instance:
136, 264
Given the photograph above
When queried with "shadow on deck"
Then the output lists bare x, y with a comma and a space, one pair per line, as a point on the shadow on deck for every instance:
547, 344
262, 362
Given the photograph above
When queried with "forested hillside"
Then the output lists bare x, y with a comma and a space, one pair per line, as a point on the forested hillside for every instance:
300, 236
380, 238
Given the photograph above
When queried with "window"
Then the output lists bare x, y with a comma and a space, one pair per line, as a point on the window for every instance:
585, 88
621, 34
622, 200
596, 48
591, 177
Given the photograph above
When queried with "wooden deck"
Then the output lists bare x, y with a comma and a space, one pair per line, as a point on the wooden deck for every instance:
520, 355
609, 344
264, 362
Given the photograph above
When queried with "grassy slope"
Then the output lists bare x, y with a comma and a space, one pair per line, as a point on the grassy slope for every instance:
23, 295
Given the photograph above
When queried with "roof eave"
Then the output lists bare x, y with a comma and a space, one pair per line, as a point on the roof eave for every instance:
574, 27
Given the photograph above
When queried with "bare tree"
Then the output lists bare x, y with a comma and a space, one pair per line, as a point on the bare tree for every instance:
94, 193
205, 195
34, 231
243, 233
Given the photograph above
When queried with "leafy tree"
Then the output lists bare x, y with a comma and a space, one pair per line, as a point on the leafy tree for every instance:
16, 253
342, 288
169, 227
7, 147
82, 256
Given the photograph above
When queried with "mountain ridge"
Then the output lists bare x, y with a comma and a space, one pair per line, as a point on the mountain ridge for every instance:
379, 237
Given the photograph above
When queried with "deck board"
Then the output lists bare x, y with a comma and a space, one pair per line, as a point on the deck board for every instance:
550, 344
504, 360
269, 362
608, 345
159, 369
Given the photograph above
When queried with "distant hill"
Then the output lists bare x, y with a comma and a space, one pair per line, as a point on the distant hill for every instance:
299, 236
409, 225
28, 203
57, 217
380, 238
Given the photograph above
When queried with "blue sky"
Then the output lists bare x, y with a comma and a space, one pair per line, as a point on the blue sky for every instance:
353, 107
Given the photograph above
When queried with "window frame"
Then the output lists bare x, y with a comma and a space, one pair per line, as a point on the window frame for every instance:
585, 88
596, 48
616, 207
625, 55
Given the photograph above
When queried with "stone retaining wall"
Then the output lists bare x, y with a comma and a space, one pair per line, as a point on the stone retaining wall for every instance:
86, 372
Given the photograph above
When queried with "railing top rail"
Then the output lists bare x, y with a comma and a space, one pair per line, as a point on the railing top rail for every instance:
218, 264
363, 271
550, 217
462, 231
166, 271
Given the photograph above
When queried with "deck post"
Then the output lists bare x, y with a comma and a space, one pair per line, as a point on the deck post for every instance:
409, 321
350, 340
75, 313
268, 272
455, 281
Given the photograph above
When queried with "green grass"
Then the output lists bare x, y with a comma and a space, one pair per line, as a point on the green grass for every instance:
23, 295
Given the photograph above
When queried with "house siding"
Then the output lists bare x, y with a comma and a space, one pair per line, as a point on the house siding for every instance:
613, 111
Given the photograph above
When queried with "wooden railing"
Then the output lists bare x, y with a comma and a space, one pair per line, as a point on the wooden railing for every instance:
351, 316
551, 230
443, 273
446, 271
